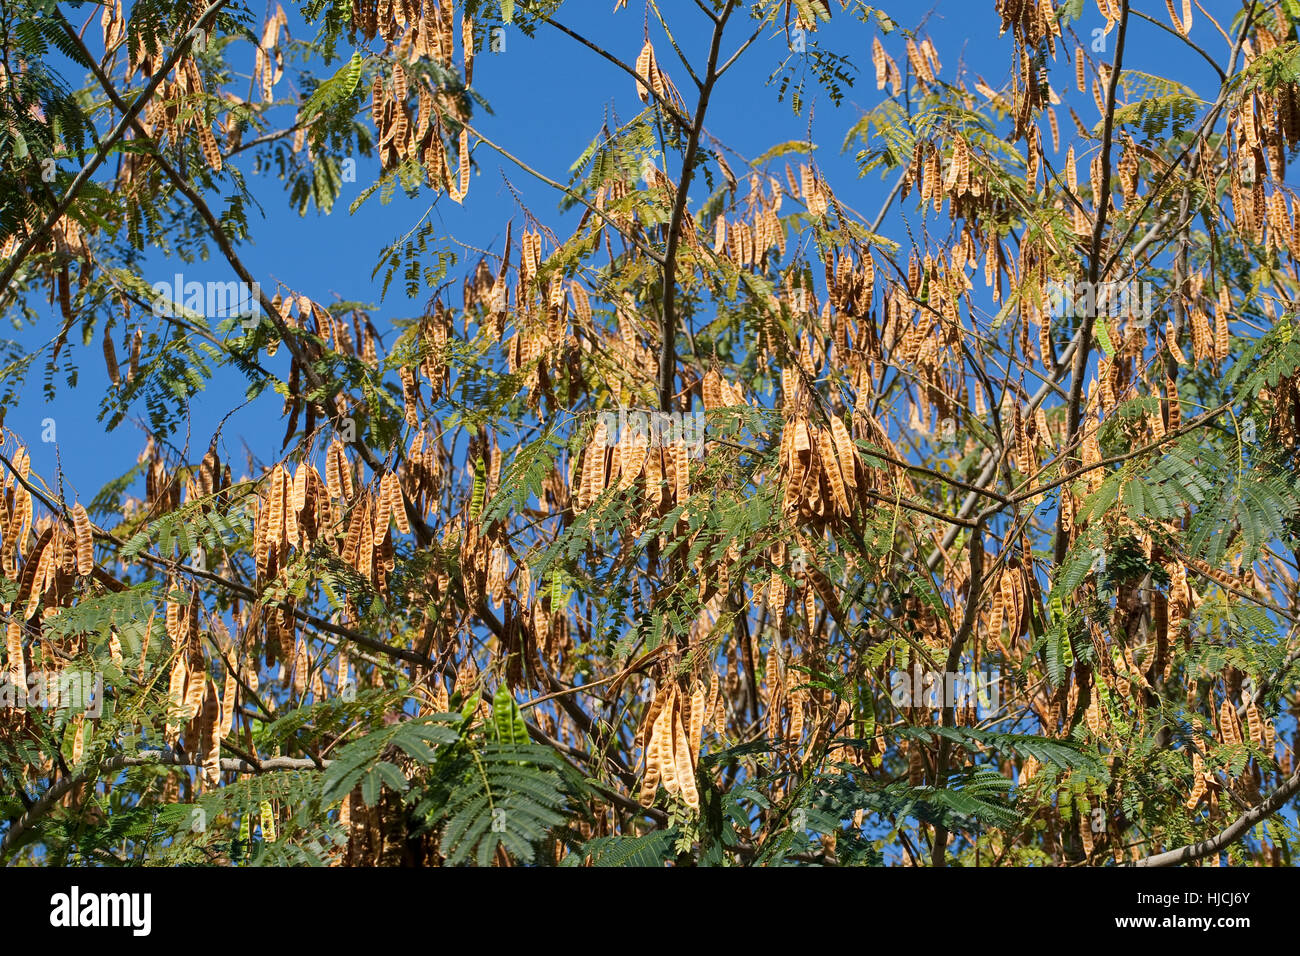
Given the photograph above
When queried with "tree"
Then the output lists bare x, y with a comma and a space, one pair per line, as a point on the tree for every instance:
750, 530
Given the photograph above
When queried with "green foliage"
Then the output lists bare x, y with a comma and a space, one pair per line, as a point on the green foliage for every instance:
367, 762
487, 795
651, 850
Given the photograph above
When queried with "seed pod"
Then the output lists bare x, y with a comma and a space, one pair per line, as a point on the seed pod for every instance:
14, 648
78, 725
229, 701
1229, 726
663, 741
383, 506
880, 61
458, 195
1221, 315
1092, 716
915, 764
85, 542
195, 688
699, 705
110, 358
1198, 782
208, 143
795, 731
711, 389
210, 735
826, 446
645, 69
846, 452
176, 695
681, 471
1256, 725
685, 766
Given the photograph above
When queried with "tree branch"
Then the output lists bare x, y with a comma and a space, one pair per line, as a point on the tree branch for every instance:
1080, 365
938, 855
667, 352
1234, 831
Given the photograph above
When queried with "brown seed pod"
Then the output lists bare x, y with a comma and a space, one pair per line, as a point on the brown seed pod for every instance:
880, 61
1229, 725
14, 649
1092, 716
1256, 725
915, 764
1198, 782
110, 358
699, 706
663, 742
84, 539
229, 701
832, 471
208, 143
645, 71
1221, 316
176, 695
78, 726
1085, 833
685, 764
210, 735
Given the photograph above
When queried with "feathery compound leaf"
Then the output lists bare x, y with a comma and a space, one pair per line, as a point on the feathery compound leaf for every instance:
360, 762
652, 850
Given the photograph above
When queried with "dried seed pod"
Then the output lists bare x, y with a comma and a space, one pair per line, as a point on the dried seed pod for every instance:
685, 764
210, 735
208, 143
1085, 833
1198, 782
663, 740
699, 705
915, 764
176, 695
831, 470
1256, 725
1028, 769
879, 61
1229, 725
645, 70
14, 650
229, 701
1092, 716
110, 358
85, 541
78, 726
681, 471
